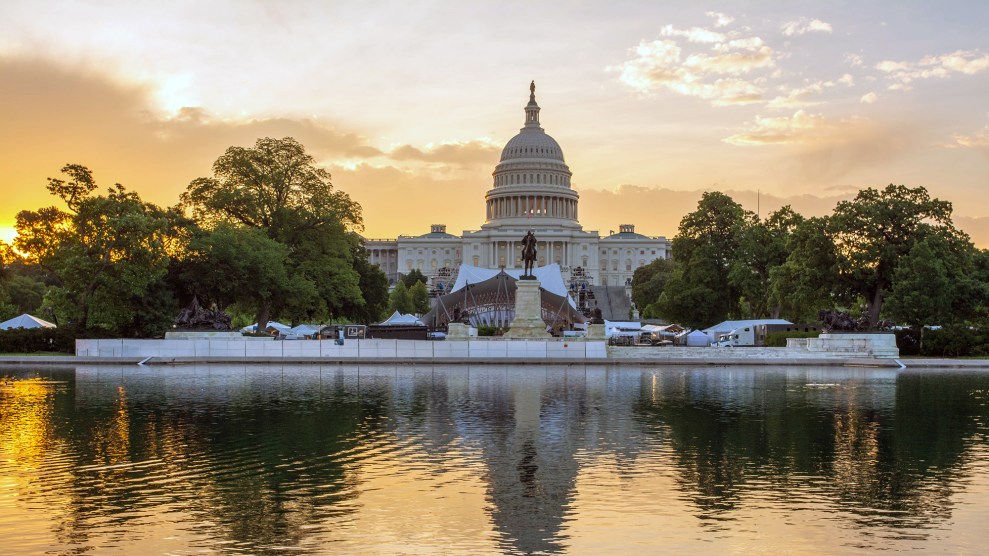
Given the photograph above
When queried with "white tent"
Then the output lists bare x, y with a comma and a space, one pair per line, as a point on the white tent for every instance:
622, 328
398, 319
282, 329
549, 276
695, 339
304, 330
25, 321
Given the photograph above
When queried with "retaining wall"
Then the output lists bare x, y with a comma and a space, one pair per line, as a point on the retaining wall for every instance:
351, 349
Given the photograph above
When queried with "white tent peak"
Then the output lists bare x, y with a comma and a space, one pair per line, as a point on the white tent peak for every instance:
25, 321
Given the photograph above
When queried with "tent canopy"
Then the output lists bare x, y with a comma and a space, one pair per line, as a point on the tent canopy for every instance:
398, 319
550, 278
25, 321
491, 302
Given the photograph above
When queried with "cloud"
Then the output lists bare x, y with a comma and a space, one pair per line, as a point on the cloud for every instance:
694, 34
967, 62
404, 201
804, 25
854, 60
979, 139
724, 74
768, 131
720, 19
54, 115
869, 98
465, 153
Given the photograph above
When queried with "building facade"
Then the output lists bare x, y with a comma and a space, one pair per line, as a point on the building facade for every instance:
530, 191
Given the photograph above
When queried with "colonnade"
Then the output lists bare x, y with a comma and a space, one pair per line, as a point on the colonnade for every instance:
549, 251
532, 205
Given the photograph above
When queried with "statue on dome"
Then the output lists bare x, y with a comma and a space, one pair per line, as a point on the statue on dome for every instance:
528, 252
532, 87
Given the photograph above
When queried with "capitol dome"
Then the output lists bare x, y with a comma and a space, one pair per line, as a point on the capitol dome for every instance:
531, 183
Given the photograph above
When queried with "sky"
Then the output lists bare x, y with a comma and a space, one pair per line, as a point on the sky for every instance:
408, 104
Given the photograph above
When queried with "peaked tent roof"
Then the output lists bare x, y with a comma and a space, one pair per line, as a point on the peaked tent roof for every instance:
25, 321
398, 319
549, 276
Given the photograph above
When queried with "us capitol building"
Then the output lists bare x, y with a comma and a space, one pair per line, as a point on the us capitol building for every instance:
530, 191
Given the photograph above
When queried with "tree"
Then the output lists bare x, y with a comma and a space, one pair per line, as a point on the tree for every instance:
419, 298
8, 308
400, 300
648, 283
876, 229
105, 254
699, 292
234, 264
373, 286
414, 275
807, 281
762, 247
276, 187
934, 283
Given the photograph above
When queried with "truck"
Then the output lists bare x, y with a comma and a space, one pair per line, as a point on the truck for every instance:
755, 335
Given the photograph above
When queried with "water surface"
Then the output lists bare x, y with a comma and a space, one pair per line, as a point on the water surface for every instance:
491, 460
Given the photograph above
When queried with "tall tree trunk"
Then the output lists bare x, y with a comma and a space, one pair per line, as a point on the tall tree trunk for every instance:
875, 306
264, 313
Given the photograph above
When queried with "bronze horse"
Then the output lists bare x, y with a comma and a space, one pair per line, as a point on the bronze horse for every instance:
528, 252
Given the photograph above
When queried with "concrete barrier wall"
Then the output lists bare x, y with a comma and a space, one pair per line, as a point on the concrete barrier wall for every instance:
683, 352
351, 349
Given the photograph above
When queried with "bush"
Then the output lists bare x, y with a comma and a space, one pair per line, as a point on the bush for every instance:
949, 341
778, 339
36, 340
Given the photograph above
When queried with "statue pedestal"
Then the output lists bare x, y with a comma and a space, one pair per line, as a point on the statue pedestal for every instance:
595, 332
528, 322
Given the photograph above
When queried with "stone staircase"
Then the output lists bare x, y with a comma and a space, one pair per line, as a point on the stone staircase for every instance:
611, 300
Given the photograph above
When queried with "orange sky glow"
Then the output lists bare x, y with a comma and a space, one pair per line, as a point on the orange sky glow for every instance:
408, 105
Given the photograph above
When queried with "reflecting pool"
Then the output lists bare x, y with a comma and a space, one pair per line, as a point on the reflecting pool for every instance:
267, 459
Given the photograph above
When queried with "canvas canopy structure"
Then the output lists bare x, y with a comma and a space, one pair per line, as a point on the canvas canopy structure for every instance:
486, 297
25, 321
283, 329
622, 328
398, 319
694, 338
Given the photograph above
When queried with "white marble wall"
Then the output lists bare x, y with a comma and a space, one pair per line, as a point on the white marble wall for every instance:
356, 349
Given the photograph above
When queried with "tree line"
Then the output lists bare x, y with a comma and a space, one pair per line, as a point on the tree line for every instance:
891, 253
265, 237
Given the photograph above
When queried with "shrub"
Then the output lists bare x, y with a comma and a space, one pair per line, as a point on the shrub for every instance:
35, 340
778, 339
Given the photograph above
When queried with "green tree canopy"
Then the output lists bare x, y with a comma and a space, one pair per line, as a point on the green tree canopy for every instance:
807, 281
935, 282
276, 187
414, 275
699, 292
419, 298
400, 300
876, 229
762, 247
105, 255
648, 283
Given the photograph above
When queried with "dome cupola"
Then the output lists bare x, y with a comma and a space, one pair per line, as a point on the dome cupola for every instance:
532, 180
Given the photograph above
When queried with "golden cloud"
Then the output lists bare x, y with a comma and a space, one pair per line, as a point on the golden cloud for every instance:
967, 62
462, 153
657, 64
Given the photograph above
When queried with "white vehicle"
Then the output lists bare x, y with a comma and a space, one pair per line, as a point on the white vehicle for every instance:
738, 337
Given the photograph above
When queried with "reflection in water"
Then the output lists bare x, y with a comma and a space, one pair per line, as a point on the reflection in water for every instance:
491, 460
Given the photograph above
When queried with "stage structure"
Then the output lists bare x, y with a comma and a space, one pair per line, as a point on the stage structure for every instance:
484, 297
